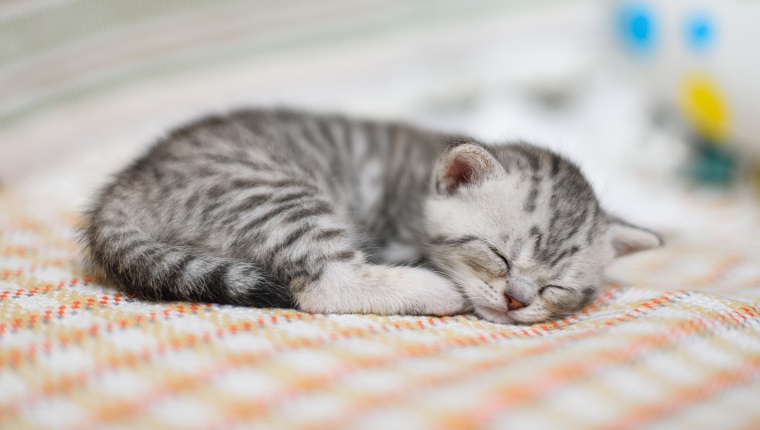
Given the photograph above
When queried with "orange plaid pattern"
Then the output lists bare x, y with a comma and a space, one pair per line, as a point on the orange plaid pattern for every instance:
76, 354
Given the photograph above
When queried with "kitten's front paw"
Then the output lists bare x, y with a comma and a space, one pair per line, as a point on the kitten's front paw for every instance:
432, 294
381, 290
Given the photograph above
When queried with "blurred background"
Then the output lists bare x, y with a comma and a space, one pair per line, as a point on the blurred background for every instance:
655, 100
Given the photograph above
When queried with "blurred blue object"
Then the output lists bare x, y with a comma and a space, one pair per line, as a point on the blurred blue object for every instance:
700, 31
638, 27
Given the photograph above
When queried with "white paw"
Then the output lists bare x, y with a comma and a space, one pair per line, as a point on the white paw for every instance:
383, 290
426, 292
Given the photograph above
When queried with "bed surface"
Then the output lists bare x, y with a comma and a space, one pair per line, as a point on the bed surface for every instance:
681, 352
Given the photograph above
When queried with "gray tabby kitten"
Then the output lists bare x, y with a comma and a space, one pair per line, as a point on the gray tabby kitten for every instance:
277, 208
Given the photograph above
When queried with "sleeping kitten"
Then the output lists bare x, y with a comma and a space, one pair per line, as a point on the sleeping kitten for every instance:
327, 214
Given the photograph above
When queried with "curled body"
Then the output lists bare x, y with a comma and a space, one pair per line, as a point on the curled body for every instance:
327, 214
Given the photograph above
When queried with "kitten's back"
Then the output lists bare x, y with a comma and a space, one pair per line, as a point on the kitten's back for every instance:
237, 208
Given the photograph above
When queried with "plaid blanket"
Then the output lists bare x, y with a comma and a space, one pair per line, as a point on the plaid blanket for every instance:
672, 342
74, 354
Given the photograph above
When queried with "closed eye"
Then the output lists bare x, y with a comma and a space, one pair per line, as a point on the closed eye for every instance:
543, 289
498, 254
562, 300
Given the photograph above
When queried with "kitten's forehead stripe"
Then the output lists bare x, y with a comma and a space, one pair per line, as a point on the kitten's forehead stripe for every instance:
556, 160
527, 156
565, 253
538, 238
530, 201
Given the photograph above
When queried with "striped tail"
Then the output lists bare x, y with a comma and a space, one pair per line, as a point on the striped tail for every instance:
147, 268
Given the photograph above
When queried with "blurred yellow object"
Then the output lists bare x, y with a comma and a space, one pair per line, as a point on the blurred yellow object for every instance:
704, 104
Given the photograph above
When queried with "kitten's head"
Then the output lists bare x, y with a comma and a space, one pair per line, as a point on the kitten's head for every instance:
521, 231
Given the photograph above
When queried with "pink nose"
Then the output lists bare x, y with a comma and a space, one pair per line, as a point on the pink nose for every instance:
512, 303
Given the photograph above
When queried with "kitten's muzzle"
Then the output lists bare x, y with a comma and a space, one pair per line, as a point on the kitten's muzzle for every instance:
519, 292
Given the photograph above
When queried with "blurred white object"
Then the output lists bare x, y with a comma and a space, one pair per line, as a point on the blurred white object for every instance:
700, 56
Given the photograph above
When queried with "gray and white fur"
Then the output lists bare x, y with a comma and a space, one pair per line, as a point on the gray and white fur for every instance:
280, 208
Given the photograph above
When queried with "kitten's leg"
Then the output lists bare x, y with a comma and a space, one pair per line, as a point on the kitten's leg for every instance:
355, 286
336, 278
305, 244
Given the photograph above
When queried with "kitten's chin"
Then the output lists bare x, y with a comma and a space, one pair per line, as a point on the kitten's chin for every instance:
494, 315
502, 316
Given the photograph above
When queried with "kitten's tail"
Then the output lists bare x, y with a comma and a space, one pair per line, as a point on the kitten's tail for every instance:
142, 266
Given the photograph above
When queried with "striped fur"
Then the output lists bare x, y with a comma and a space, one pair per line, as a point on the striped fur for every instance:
278, 208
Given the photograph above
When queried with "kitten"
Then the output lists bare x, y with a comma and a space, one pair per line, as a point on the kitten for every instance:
278, 208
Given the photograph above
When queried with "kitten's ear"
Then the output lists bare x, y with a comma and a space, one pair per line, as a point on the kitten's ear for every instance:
467, 164
627, 238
